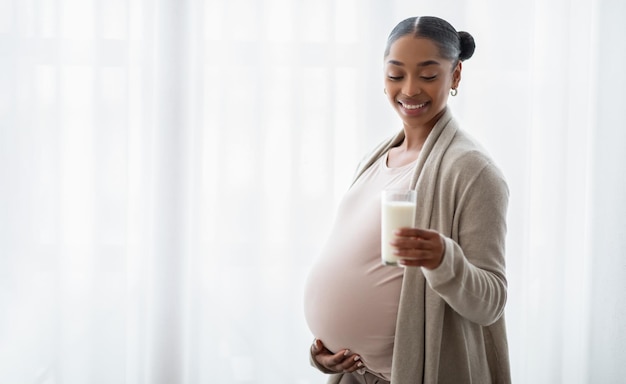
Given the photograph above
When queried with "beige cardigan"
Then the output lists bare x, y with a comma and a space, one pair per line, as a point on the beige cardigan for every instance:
450, 326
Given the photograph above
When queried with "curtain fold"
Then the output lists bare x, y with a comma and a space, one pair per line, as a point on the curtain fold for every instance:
169, 171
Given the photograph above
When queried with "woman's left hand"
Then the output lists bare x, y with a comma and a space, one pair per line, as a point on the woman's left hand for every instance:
418, 247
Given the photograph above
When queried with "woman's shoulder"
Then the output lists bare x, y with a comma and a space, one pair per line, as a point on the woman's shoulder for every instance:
467, 156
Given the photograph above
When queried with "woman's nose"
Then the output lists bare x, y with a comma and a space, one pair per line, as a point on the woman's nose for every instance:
411, 87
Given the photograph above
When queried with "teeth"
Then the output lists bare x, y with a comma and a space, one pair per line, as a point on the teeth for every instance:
413, 106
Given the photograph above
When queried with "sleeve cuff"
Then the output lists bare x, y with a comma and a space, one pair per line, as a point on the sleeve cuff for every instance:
445, 271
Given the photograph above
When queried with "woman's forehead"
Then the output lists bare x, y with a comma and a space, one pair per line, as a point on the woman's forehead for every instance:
414, 50
410, 46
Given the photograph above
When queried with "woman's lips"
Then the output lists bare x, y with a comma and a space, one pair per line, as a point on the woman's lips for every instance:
412, 105
412, 108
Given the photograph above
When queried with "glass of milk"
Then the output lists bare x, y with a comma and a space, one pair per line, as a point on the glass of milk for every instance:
398, 211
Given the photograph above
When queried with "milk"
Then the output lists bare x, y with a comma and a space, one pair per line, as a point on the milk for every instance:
395, 214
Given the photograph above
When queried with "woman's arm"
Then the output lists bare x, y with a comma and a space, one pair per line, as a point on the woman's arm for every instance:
471, 276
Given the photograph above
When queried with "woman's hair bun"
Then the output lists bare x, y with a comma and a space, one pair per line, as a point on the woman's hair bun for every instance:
467, 45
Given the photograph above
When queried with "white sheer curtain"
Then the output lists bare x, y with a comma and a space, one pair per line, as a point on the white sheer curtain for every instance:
169, 169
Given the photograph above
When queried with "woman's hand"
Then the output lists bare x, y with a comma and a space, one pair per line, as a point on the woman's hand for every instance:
342, 361
418, 247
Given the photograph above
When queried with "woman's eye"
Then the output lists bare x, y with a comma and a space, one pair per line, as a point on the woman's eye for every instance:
394, 78
429, 78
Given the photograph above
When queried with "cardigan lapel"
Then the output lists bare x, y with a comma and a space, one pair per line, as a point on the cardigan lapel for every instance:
427, 167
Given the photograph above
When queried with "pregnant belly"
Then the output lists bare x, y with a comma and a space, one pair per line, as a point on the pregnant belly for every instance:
355, 308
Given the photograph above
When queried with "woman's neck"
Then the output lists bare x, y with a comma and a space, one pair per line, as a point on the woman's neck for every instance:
414, 138
415, 135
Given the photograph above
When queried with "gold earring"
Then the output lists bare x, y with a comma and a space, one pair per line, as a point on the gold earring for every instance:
454, 92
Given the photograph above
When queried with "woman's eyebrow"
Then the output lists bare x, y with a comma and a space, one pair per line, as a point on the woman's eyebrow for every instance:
422, 64
428, 62
396, 62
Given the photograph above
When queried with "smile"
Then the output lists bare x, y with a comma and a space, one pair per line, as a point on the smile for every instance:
414, 106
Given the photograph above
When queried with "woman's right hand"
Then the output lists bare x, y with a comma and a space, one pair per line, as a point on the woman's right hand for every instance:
340, 362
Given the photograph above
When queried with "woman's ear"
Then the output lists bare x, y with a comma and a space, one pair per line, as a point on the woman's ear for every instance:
456, 75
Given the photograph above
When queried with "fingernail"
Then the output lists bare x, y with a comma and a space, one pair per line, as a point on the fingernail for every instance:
357, 358
347, 352
359, 364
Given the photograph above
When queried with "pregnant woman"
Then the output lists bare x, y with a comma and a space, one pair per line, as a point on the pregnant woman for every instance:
439, 317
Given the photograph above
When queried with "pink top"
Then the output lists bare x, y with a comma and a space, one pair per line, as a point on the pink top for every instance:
351, 299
